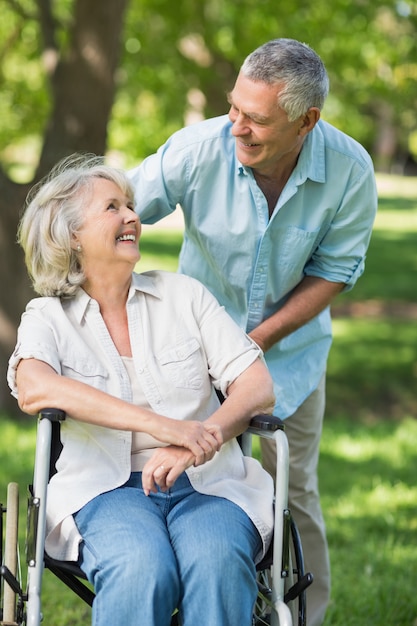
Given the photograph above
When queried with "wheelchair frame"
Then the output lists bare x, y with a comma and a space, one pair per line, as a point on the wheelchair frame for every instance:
280, 583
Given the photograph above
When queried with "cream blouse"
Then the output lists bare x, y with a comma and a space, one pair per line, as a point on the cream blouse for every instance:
143, 444
184, 345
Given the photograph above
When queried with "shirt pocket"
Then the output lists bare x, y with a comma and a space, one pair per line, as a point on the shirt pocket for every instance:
85, 369
183, 364
298, 247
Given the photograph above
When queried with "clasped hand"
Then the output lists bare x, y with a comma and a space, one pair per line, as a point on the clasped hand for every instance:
196, 444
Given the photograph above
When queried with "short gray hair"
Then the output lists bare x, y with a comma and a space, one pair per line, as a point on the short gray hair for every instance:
54, 212
298, 67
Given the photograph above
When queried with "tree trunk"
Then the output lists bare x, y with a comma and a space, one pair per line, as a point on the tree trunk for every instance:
83, 85
15, 286
82, 92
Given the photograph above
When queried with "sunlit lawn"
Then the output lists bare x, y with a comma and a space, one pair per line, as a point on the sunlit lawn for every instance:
373, 361
369, 495
368, 457
368, 452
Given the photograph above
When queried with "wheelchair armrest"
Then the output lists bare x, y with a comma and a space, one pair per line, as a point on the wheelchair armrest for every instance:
266, 426
259, 423
265, 423
53, 415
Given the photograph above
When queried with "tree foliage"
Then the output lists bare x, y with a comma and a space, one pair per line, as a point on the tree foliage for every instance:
179, 59
67, 59
97, 75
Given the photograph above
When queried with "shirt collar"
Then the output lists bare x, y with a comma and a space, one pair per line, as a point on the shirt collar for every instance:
144, 282
140, 283
311, 162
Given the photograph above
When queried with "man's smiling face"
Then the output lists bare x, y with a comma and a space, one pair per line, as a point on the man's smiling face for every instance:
265, 139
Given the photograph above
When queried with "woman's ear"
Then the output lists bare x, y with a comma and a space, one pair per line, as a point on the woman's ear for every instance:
75, 244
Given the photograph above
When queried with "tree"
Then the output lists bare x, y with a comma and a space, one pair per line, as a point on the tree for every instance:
60, 73
80, 55
180, 59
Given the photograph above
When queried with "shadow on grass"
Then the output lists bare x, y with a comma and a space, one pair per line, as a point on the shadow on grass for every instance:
372, 369
396, 203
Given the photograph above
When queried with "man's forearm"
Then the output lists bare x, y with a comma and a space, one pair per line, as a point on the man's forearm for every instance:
308, 299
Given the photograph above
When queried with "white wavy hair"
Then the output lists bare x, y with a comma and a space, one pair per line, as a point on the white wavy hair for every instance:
53, 214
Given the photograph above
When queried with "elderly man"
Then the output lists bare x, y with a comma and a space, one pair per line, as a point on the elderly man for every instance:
278, 208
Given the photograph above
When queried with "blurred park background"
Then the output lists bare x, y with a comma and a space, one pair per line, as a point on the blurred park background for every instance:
116, 77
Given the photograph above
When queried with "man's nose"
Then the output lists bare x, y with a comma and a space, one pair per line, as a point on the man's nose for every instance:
239, 124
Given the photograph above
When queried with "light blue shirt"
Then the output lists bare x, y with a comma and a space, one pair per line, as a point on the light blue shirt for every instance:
320, 227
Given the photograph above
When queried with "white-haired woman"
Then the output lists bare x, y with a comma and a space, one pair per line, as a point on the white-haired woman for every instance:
152, 495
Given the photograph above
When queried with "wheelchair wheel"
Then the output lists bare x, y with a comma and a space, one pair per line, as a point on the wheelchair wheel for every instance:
263, 604
10, 552
295, 586
297, 581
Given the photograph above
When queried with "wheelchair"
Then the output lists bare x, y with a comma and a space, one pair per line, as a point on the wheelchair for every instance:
282, 582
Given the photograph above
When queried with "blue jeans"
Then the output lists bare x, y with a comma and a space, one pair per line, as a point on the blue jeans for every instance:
147, 555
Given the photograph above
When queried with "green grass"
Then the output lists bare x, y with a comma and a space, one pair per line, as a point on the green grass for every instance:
372, 369
369, 443
17, 444
369, 495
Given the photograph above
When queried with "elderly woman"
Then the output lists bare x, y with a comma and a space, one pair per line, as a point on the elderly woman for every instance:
152, 495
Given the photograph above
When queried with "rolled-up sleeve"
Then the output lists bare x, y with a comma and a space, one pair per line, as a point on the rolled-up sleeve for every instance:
229, 350
35, 340
340, 255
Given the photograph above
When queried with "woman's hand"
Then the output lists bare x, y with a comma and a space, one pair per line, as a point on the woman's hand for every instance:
164, 467
201, 439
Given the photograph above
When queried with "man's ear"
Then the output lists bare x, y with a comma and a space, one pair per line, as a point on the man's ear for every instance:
309, 120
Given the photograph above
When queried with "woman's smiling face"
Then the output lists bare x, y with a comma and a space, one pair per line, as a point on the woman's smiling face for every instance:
111, 229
